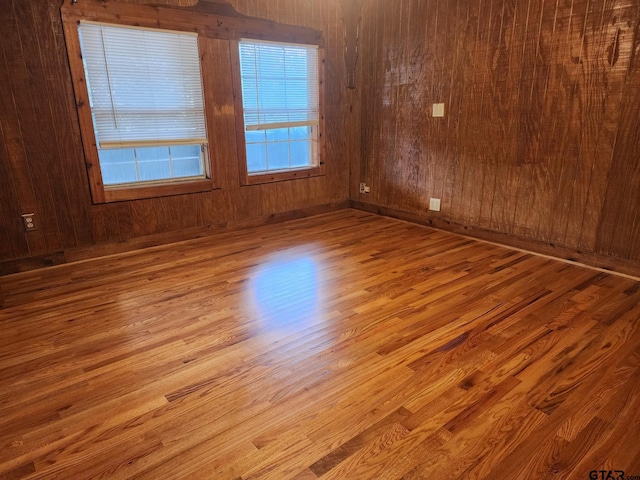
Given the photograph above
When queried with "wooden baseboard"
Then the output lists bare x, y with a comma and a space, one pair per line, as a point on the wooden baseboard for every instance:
595, 260
8, 267
101, 250
612, 264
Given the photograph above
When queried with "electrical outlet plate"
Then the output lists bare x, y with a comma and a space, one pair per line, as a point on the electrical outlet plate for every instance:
434, 204
438, 110
28, 222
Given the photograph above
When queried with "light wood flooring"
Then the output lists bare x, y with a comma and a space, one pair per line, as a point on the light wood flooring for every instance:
342, 346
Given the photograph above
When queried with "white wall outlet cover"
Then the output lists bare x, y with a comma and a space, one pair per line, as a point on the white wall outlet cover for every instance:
434, 204
438, 109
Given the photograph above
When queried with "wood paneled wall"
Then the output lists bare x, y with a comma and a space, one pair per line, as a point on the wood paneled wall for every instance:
541, 138
42, 169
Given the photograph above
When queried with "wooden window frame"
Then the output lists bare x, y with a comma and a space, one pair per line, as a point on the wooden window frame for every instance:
209, 19
100, 193
283, 175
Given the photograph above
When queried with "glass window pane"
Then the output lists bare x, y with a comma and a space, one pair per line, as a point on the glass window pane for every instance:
256, 157
153, 163
117, 156
187, 167
299, 133
278, 155
186, 151
300, 153
118, 166
255, 136
277, 135
149, 171
186, 161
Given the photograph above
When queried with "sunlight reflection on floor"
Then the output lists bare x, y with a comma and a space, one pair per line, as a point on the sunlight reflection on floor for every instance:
286, 290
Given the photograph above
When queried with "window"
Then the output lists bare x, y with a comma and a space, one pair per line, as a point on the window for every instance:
153, 84
280, 110
147, 110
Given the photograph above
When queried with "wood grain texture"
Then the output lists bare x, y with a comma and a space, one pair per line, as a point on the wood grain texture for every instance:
345, 345
539, 138
42, 169
352, 16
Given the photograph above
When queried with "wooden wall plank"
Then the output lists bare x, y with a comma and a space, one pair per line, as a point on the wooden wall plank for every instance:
461, 177
6, 251
564, 182
98, 228
493, 116
16, 243
553, 44
614, 61
476, 139
368, 60
618, 232
506, 81
532, 108
14, 77
124, 220
529, 107
73, 173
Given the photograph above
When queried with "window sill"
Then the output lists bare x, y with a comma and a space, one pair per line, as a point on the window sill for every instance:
282, 176
137, 192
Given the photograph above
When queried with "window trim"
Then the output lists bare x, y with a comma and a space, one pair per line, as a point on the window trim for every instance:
247, 179
106, 194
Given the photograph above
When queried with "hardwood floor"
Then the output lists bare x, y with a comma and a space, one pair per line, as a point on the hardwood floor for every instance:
342, 346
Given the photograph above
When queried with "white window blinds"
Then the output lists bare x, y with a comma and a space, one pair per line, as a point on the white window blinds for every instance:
279, 85
145, 86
